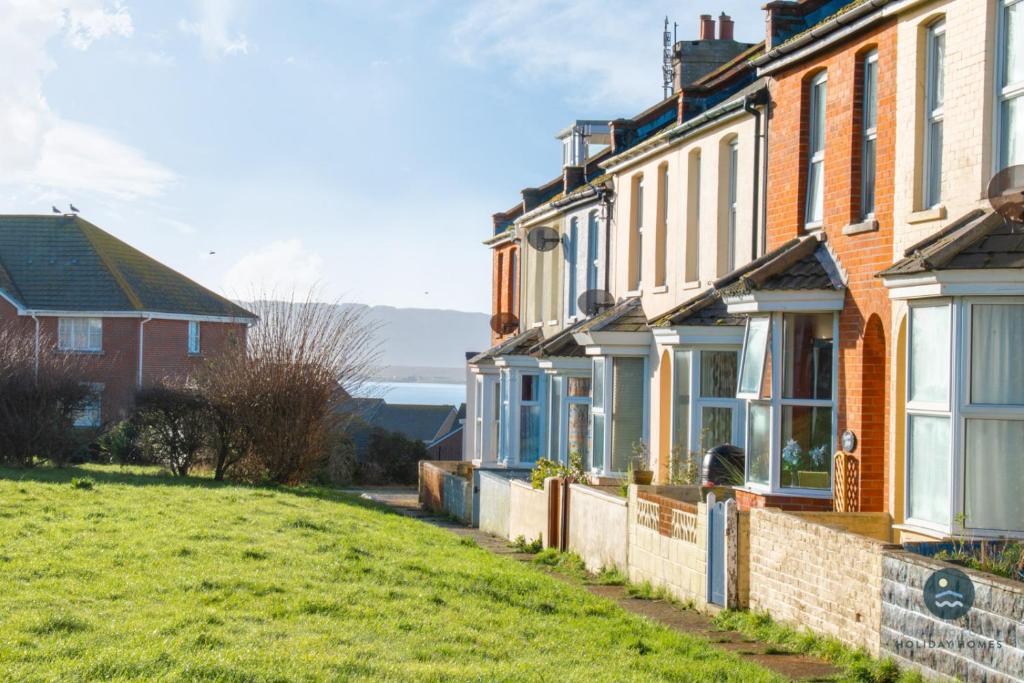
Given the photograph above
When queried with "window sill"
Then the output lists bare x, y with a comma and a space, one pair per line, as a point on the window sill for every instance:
937, 213
867, 225
660, 289
691, 285
84, 352
195, 354
536, 324
634, 292
552, 322
813, 227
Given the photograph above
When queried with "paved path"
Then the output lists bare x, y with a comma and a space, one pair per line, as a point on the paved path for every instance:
793, 666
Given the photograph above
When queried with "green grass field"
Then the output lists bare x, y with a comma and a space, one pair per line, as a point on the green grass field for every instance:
130, 575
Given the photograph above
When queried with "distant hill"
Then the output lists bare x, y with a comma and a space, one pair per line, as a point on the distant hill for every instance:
426, 343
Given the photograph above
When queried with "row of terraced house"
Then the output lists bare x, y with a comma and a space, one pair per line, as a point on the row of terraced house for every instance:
795, 254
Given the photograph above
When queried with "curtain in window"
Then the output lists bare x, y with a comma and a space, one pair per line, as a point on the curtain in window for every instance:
681, 409
759, 443
554, 415
929, 354
715, 427
717, 374
994, 475
627, 409
997, 373
928, 469
576, 434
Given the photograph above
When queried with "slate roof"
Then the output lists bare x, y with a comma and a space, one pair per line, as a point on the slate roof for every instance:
800, 264
419, 422
518, 345
625, 316
561, 345
65, 263
707, 308
978, 240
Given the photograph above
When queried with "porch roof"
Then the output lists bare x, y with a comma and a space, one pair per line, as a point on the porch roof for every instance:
518, 345
561, 345
803, 263
979, 240
625, 316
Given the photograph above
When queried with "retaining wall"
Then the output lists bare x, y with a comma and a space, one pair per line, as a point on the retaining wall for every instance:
986, 644
598, 526
530, 511
818, 576
494, 497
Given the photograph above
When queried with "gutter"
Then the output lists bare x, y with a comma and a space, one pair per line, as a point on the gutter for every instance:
822, 35
142, 338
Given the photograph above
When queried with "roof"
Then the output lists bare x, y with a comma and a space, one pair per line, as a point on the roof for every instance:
561, 345
978, 240
625, 316
518, 345
65, 263
418, 422
800, 264
707, 308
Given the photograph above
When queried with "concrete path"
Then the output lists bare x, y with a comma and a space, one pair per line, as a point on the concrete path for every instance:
793, 666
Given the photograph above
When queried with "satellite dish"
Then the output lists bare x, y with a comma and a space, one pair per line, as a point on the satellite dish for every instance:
1006, 193
504, 323
543, 238
593, 301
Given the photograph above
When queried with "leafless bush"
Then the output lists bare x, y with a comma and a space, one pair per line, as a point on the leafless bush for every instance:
279, 403
39, 395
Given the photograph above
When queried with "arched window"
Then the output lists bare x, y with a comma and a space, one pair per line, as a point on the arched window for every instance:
692, 246
934, 98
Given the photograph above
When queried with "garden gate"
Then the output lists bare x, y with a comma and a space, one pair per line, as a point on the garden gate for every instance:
716, 566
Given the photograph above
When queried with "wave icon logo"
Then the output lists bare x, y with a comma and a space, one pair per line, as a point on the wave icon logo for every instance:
949, 594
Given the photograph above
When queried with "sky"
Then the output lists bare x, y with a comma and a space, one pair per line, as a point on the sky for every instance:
356, 147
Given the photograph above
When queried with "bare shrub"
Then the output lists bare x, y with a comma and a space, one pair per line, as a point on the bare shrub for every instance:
40, 391
279, 402
174, 425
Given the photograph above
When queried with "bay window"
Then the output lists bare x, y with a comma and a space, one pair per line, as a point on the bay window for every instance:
619, 411
522, 416
569, 415
705, 411
487, 403
965, 416
530, 418
1010, 110
815, 194
788, 373
934, 98
478, 417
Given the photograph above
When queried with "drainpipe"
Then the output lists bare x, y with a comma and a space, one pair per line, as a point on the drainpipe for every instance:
142, 324
36, 319
750, 103
605, 197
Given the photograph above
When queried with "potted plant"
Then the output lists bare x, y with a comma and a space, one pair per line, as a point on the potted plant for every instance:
639, 466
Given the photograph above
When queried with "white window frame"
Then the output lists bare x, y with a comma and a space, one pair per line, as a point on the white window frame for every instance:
697, 402
869, 135
638, 231
818, 84
194, 338
478, 417
691, 234
777, 402
1005, 90
959, 410
572, 258
732, 170
90, 414
541, 402
606, 411
560, 451
593, 250
933, 119
68, 332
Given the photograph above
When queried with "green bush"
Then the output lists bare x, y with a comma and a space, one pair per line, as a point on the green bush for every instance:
119, 444
546, 467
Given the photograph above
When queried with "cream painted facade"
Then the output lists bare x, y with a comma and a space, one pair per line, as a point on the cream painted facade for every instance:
542, 274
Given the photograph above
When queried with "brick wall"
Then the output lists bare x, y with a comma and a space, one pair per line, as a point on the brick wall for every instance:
431, 483
165, 347
748, 500
504, 285
824, 578
865, 318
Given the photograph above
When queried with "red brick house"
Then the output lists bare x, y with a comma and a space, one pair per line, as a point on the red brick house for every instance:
133, 320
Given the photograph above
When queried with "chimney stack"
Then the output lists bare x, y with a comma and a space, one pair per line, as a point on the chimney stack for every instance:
707, 27
725, 26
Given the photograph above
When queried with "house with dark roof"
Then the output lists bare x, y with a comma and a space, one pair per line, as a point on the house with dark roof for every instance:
133, 320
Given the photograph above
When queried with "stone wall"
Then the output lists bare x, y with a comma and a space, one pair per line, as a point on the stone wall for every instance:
668, 544
820, 577
529, 512
597, 526
986, 644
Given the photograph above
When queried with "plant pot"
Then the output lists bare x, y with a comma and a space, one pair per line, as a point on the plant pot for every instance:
643, 477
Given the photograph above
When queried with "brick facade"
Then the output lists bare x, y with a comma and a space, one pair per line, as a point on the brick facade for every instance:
504, 286
116, 366
865, 318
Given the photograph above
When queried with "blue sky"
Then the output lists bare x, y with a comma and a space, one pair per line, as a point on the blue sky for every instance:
357, 146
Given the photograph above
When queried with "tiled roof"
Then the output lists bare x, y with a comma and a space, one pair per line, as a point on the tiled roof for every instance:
419, 422
976, 241
707, 308
625, 316
800, 264
518, 345
65, 263
562, 345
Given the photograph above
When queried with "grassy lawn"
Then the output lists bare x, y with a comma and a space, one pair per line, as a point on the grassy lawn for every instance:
143, 577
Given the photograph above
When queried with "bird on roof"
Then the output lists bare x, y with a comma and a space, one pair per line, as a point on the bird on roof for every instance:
73, 208
55, 209
212, 253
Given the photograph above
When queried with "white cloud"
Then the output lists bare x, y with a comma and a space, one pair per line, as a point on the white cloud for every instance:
40, 149
281, 266
602, 55
212, 29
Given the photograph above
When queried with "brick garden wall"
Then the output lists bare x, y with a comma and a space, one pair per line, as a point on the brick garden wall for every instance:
824, 578
431, 483
865, 318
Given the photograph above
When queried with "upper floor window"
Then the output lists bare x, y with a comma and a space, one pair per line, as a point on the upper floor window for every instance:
80, 334
193, 336
661, 230
814, 211
934, 96
637, 246
1011, 84
571, 265
510, 289
690, 270
592, 253
731, 162
869, 134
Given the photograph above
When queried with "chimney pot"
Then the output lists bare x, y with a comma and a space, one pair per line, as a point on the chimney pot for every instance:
707, 27
725, 27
